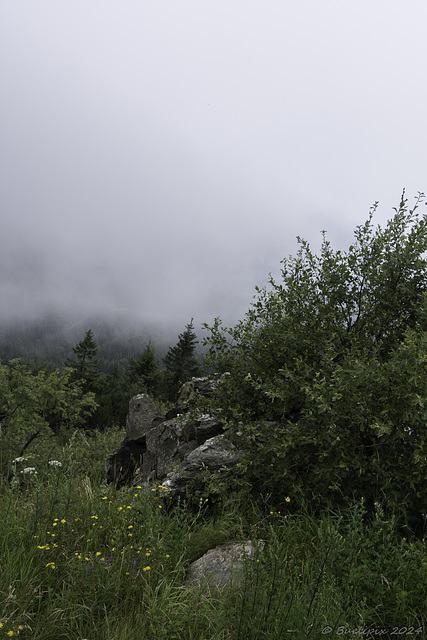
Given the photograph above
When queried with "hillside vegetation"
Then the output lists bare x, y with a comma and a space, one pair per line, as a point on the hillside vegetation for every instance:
327, 393
328, 373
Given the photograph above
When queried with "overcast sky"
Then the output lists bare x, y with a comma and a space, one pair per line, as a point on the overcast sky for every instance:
158, 158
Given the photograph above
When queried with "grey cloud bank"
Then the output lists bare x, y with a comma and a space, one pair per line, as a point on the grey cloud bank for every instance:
158, 159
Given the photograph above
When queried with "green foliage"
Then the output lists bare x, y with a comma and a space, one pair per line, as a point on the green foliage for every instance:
180, 361
145, 375
35, 404
85, 368
82, 560
328, 371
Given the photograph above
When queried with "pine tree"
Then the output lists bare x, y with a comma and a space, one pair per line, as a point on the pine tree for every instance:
145, 371
86, 366
180, 360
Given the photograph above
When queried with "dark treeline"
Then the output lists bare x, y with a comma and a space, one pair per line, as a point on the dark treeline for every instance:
110, 358
52, 337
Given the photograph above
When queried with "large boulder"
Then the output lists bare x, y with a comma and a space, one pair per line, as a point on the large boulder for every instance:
190, 390
214, 454
154, 445
143, 416
222, 566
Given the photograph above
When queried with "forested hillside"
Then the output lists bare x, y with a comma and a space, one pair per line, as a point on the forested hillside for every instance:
52, 337
112, 360
325, 397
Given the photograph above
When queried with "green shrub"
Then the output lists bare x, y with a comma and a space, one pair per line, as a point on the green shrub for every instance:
328, 372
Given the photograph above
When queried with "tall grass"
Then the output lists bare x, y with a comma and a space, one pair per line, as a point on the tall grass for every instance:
82, 560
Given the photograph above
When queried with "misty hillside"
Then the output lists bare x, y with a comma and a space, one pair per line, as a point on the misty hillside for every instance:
50, 339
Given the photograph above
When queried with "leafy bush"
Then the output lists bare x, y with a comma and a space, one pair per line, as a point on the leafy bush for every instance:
328, 371
36, 404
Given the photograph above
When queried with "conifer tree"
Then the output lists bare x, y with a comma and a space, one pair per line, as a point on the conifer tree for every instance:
85, 368
144, 370
180, 361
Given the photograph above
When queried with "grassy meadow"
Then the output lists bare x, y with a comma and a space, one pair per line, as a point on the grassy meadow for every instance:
81, 560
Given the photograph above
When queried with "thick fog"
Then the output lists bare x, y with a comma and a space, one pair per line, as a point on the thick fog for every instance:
158, 159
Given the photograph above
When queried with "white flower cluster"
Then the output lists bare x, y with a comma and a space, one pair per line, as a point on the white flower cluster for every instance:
29, 471
21, 459
55, 463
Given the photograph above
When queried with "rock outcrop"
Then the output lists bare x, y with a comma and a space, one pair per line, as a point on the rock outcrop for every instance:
222, 566
143, 416
214, 454
179, 452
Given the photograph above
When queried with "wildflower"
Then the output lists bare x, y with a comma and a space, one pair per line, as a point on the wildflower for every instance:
55, 463
51, 565
104, 498
98, 553
31, 471
63, 521
287, 499
10, 633
21, 459
146, 568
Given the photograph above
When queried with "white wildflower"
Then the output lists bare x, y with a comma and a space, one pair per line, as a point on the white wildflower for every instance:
29, 471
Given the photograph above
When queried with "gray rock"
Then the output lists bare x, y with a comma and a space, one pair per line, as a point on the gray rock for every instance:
179, 452
143, 415
214, 454
121, 465
222, 566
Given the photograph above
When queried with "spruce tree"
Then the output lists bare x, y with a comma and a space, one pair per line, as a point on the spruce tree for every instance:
85, 368
180, 361
145, 371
